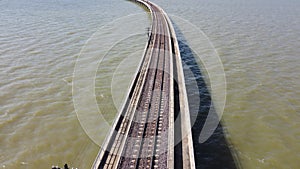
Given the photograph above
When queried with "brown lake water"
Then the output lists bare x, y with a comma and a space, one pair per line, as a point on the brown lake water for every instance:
258, 43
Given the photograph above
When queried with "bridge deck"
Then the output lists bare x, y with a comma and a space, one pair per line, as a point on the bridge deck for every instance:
143, 135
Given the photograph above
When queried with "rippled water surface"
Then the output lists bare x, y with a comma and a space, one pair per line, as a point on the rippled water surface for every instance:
257, 41
39, 44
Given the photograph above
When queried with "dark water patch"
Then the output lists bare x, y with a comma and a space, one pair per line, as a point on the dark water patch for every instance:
214, 153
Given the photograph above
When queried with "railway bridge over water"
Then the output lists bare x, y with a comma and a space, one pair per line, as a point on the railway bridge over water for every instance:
153, 129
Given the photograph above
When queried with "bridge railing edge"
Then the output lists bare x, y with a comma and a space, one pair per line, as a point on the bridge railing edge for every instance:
188, 152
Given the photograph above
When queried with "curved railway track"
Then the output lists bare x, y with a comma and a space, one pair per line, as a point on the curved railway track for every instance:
143, 135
